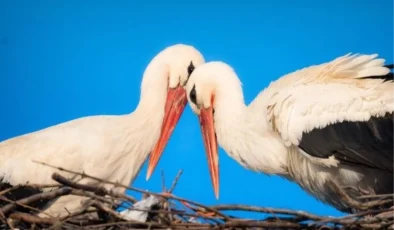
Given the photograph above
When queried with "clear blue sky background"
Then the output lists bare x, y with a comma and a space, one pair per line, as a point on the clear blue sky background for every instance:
60, 60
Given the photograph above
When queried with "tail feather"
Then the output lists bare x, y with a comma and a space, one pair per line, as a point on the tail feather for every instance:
359, 66
386, 77
390, 66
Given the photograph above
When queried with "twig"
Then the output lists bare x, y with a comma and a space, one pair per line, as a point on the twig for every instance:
32, 219
169, 215
163, 182
103, 208
47, 195
175, 182
166, 195
83, 193
36, 186
64, 181
261, 224
91, 188
265, 210
24, 206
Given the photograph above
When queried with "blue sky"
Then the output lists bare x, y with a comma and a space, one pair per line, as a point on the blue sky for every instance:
60, 60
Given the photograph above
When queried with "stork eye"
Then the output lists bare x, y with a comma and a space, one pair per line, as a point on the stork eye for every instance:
193, 95
190, 69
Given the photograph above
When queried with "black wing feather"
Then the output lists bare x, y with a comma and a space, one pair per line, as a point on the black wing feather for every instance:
366, 144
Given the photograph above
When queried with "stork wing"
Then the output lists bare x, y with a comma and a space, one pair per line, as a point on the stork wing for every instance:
81, 145
343, 108
72, 145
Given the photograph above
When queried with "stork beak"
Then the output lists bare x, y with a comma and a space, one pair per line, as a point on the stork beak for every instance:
175, 104
211, 146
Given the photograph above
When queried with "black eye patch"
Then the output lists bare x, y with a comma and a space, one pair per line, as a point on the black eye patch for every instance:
190, 68
193, 95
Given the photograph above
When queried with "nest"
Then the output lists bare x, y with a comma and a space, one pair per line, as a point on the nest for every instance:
172, 212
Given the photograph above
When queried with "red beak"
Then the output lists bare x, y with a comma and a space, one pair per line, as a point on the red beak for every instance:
175, 104
211, 146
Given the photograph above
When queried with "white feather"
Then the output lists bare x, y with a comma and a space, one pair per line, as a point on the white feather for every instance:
112, 148
264, 136
333, 95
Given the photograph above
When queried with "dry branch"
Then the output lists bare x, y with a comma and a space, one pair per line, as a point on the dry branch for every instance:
178, 213
40, 196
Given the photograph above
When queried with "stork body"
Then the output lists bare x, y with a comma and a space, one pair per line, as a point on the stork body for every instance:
109, 147
328, 122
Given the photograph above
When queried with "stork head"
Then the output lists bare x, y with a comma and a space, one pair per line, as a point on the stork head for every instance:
212, 86
177, 62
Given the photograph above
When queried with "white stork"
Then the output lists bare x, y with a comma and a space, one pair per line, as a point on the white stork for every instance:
332, 121
111, 147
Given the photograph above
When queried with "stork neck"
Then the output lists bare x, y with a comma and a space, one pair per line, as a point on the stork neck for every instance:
141, 129
248, 142
147, 118
150, 110
154, 87
140, 132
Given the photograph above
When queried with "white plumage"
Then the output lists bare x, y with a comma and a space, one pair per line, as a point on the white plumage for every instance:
109, 147
331, 121
317, 96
